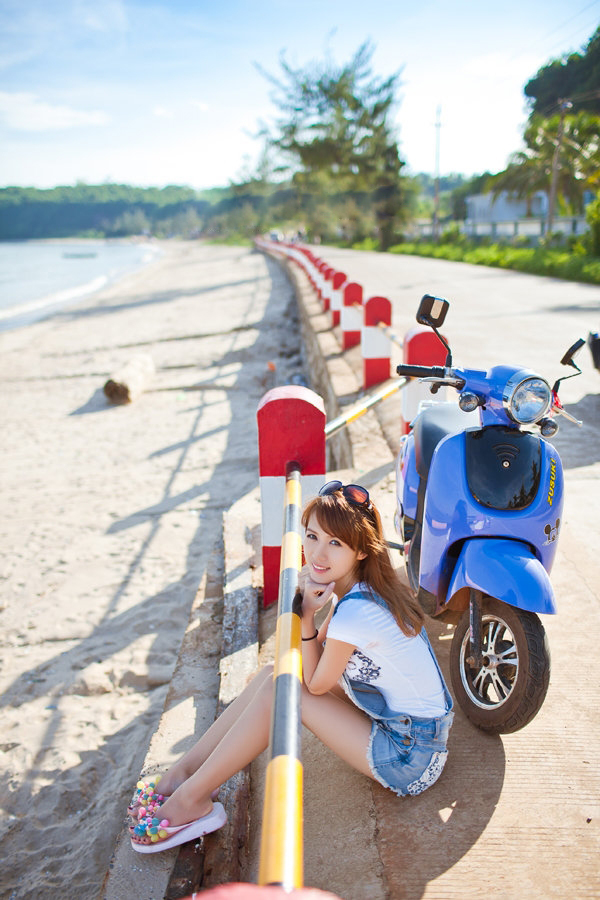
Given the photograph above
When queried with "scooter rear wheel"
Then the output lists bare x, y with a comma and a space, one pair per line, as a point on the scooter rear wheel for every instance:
507, 690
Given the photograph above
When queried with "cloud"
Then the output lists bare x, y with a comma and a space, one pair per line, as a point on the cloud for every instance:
200, 105
27, 112
46, 31
109, 17
500, 67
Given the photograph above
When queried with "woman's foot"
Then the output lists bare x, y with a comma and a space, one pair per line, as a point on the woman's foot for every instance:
148, 797
145, 791
155, 833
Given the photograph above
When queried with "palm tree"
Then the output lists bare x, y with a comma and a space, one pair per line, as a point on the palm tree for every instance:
566, 145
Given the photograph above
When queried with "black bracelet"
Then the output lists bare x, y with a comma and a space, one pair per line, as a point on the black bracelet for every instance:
312, 637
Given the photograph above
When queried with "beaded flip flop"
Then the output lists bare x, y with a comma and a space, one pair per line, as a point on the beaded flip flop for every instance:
147, 798
163, 836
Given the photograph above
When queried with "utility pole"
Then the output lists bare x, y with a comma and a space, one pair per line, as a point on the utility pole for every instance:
564, 106
436, 198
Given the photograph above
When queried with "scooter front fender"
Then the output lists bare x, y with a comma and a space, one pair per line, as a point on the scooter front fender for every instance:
504, 569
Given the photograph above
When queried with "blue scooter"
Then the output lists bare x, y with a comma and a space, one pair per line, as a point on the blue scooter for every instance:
479, 512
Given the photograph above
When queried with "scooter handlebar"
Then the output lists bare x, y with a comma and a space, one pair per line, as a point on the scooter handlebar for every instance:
420, 371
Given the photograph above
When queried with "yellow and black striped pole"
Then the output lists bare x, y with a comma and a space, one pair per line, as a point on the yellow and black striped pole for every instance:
359, 409
392, 336
281, 853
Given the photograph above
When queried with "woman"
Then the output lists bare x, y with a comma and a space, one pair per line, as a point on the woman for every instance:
372, 692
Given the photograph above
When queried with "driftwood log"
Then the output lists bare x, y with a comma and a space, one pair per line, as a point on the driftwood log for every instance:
130, 381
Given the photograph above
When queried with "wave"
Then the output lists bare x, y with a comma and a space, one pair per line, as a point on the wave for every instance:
59, 297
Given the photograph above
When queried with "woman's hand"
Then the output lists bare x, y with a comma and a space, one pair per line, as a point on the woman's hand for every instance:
316, 595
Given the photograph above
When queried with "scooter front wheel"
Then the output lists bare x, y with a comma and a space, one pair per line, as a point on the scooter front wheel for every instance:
505, 691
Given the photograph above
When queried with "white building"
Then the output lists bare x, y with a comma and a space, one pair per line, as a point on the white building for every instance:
505, 207
509, 216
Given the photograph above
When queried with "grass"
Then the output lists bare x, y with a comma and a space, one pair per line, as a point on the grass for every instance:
555, 263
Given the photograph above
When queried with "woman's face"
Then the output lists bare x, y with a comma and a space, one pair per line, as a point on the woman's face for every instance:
327, 557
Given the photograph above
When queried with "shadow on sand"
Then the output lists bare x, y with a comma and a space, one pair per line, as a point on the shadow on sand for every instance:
99, 773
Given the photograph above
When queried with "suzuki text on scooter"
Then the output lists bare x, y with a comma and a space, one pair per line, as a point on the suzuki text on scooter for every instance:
479, 512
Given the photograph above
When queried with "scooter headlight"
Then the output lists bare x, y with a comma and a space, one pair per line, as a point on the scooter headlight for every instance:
526, 398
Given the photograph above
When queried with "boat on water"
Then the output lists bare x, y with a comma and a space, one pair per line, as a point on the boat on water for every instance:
79, 254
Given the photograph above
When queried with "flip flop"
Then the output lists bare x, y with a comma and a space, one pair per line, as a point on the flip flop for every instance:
147, 799
164, 837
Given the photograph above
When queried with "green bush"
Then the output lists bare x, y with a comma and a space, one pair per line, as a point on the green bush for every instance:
571, 265
592, 237
368, 244
453, 235
519, 240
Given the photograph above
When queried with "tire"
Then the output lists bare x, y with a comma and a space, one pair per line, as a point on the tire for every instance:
503, 695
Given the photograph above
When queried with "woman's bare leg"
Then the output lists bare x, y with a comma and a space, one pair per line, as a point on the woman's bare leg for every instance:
199, 753
240, 744
340, 725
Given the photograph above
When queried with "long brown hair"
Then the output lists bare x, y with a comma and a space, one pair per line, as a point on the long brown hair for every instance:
360, 528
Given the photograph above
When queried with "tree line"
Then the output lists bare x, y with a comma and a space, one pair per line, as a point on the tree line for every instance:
331, 167
106, 210
240, 210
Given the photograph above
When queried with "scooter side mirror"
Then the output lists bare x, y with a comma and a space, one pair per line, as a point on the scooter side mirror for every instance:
567, 359
432, 311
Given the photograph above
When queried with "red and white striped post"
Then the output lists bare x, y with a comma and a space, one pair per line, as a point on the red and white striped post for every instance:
242, 890
335, 295
291, 428
328, 274
310, 262
314, 274
376, 346
321, 270
307, 261
294, 254
351, 318
421, 347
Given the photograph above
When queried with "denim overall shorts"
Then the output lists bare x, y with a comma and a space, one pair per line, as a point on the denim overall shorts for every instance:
406, 753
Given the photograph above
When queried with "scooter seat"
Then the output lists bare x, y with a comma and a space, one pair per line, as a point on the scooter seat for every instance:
432, 425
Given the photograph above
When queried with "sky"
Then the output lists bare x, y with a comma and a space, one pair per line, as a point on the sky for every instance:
157, 92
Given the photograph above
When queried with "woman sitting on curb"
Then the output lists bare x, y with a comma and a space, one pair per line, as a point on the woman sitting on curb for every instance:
373, 691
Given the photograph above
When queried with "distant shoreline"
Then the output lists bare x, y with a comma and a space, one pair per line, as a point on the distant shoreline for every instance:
130, 239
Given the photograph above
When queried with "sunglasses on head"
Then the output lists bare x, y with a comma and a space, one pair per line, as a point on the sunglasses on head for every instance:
355, 494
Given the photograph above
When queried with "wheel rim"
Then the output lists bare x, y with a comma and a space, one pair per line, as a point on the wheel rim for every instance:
490, 685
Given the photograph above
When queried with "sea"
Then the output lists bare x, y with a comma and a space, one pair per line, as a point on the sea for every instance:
37, 278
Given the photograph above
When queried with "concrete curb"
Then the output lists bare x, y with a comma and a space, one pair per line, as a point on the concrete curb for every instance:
225, 853
357, 446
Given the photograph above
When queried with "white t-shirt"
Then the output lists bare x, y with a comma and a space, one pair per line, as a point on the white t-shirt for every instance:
401, 667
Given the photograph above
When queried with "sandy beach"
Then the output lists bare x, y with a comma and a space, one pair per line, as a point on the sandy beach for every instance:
111, 524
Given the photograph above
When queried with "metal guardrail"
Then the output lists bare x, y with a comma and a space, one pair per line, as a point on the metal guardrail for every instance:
282, 850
